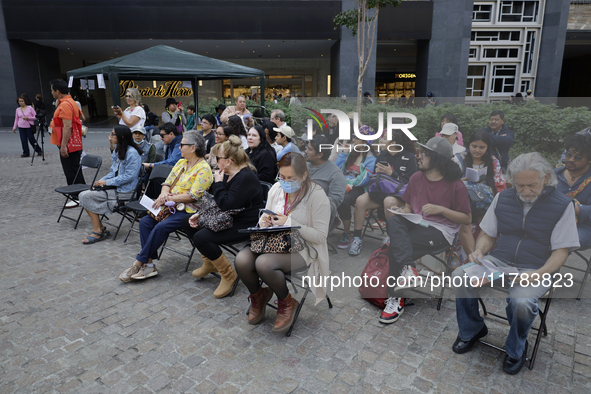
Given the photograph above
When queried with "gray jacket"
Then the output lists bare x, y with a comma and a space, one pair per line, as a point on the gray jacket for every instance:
332, 181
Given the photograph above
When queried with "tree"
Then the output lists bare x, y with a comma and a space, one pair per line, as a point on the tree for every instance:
360, 21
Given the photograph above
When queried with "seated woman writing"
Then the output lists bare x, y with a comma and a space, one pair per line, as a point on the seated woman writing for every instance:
189, 178
235, 186
295, 201
118, 184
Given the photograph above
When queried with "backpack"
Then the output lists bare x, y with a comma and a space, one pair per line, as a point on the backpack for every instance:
481, 195
386, 184
377, 266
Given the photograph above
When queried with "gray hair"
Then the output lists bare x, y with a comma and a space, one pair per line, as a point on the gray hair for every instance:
135, 95
532, 161
194, 138
279, 113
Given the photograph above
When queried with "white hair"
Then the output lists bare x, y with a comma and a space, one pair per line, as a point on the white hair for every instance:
532, 161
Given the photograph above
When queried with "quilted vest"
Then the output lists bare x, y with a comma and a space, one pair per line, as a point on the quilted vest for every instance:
524, 241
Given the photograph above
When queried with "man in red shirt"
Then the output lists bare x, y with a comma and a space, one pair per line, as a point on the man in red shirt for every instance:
70, 143
441, 203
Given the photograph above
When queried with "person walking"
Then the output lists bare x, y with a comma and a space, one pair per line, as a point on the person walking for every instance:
23, 120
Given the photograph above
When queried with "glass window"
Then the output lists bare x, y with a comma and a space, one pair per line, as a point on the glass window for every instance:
528, 52
501, 53
519, 11
503, 79
482, 13
484, 35
473, 53
525, 86
475, 81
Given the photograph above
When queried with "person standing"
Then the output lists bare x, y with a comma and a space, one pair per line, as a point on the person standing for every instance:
174, 114
69, 141
24, 119
501, 137
134, 115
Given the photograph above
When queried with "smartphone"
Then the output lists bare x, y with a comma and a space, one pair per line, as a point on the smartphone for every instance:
268, 212
384, 163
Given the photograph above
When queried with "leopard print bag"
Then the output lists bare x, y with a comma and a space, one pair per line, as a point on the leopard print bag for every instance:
286, 241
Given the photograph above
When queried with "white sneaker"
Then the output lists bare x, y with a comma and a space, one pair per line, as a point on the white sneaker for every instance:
72, 204
409, 277
386, 240
145, 272
392, 311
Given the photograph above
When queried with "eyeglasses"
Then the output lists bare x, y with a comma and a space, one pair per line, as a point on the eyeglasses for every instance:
181, 144
422, 153
218, 158
570, 155
163, 135
128, 96
220, 134
205, 123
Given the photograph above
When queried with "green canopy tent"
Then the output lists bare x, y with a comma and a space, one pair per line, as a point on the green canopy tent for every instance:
162, 62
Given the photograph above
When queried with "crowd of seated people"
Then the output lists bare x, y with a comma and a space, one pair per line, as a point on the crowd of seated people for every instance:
529, 227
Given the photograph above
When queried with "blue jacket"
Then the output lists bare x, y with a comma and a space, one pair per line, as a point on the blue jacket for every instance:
173, 152
501, 141
524, 241
584, 197
124, 173
367, 169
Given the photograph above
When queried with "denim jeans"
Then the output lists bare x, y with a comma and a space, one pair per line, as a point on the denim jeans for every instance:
522, 309
153, 234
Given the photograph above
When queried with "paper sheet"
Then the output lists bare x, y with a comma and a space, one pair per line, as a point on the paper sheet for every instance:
147, 202
411, 217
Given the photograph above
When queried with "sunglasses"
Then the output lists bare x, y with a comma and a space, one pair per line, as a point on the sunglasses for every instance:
127, 96
186, 145
163, 135
218, 158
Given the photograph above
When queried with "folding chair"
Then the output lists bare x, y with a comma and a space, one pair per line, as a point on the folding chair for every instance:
180, 234
295, 278
71, 191
541, 329
121, 208
160, 171
159, 157
586, 271
434, 253
367, 224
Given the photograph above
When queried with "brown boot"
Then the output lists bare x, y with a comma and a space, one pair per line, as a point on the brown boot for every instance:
258, 305
229, 276
205, 269
286, 310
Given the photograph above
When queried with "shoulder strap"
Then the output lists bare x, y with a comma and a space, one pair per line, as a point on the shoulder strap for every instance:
462, 164
581, 187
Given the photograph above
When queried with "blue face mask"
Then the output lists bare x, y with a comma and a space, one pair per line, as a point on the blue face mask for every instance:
289, 186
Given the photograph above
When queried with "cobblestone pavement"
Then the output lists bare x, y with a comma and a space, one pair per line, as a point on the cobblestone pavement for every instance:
67, 324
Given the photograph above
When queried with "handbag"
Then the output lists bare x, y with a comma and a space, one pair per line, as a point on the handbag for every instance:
164, 210
386, 184
286, 241
212, 217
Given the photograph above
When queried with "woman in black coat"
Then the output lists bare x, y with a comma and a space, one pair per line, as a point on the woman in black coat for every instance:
261, 154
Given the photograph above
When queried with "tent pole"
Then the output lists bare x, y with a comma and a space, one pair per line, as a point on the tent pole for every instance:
196, 96
262, 91
114, 85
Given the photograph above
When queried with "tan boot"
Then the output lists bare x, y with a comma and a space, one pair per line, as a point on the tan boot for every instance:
205, 269
286, 310
258, 305
229, 276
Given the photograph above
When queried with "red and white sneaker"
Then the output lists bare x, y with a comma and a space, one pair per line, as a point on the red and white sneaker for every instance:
393, 310
379, 225
409, 277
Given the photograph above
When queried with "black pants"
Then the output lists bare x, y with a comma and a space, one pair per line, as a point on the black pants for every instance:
71, 164
207, 241
344, 209
408, 242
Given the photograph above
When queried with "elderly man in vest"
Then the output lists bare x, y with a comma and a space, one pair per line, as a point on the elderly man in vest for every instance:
534, 228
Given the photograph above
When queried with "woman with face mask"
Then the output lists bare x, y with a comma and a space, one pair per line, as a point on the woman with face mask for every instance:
295, 201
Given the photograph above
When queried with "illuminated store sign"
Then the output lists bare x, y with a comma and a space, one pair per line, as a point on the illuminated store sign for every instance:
168, 88
405, 76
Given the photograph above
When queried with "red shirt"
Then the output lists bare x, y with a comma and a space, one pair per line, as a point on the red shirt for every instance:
452, 195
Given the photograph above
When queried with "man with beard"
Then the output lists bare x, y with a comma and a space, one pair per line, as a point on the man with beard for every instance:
437, 194
535, 225
573, 180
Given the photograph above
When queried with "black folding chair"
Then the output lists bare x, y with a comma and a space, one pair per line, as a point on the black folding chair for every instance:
586, 271
160, 171
434, 253
71, 191
367, 224
121, 208
541, 329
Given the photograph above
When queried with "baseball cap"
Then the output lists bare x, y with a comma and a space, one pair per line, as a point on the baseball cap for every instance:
286, 131
439, 145
449, 129
141, 129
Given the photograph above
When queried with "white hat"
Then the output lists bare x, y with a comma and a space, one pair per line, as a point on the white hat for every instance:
286, 131
449, 129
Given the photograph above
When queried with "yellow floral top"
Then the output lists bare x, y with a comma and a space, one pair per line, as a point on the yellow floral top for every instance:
194, 180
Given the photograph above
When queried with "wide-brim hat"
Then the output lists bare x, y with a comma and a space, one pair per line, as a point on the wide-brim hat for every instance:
170, 100
221, 106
